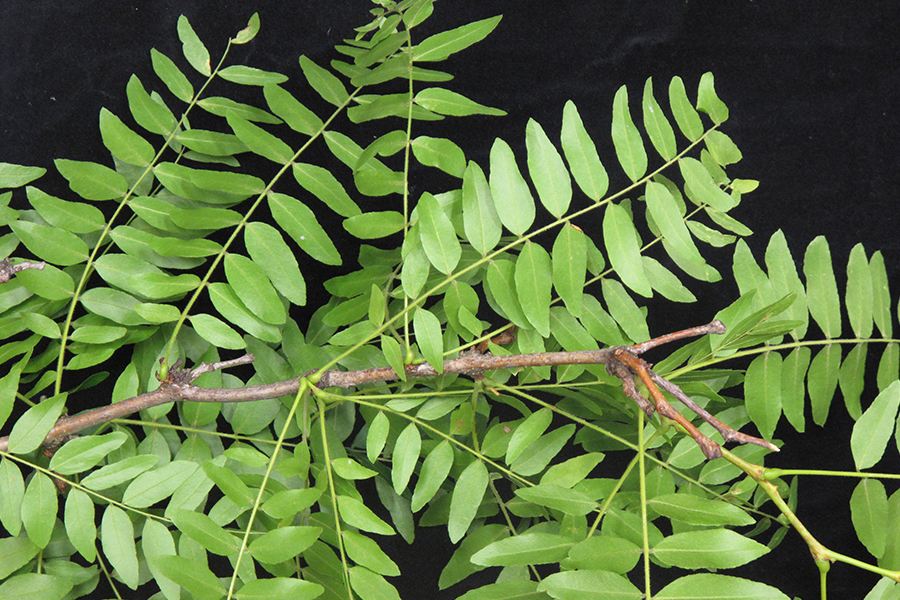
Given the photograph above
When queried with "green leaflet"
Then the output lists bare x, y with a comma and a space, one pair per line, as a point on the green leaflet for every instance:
480, 220
327, 85
722, 148
72, 216
301, 224
624, 310
533, 278
467, 495
435, 469
150, 487
701, 188
324, 186
584, 583
668, 218
125, 144
437, 235
79, 521
149, 114
373, 225
405, 456
665, 282
260, 141
428, 336
762, 388
441, 45
822, 380
548, 173
793, 389
194, 50
172, 76
211, 142
83, 453
627, 139
525, 549
13, 176
117, 536
605, 552
511, 195
581, 154
11, 501
440, 153
661, 134
623, 248
873, 429
357, 514
501, 287
699, 511
784, 280
33, 426
821, 288
566, 500
713, 586
365, 551
569, 263
269, 252
869, 513
710, 549
881, 295
708, 101
39, 507
216, 332
92, 181
195, 577
860, 292
283, 543
371, 586
245, 75
254, 289
527, 432
291, 111
205, 531
222, 106
280, 587
852, 378
249, 32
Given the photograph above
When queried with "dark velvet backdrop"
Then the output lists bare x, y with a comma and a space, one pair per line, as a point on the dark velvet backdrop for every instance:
812, 87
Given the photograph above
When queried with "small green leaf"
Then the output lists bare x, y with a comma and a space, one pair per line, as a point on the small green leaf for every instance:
244, 75
793, 390
117, 535
222, 106
723, 149
869, 513
194, 576
822, 379
283, 543
511, 195
565, 500
35, 586
149, 114
357, 514
873, 429
695, 510
668, 218
324, 82
438, 237
712, 586
260, 141
270, 253
298, 117
80, 454
279, 587
702, 188
435, 470
39, 506
123, 143
254, 289
762, 389
79, 520
91, 180
75, 217
216, 332
205, 531
172, 76
194, 50
480, 221
860, 293
581, 154
365, 551
524, 549
852, 379
445, 102
33, 426
377, 436
585, 583
373, 225
349, 469
249, 32
784, 279
427, 328
467, 495
405, 456
539, 453
665, 282
625, 311
441, 45
821, 287
534, 278
623, 248
150, 487
627, 139
658, 128
13, 176
548, 173
606, 552
301, 224
393, 354
440, 153
709, 549
42, 325
13, 485
569, 262
16, 552
371, 586
528, 432
708, 101
323, 185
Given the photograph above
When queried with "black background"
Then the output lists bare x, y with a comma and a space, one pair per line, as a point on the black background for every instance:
812, 88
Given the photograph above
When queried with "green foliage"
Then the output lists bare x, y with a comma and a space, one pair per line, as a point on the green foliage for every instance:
511, 465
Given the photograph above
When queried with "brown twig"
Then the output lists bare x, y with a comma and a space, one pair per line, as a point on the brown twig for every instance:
8, 270
620, 361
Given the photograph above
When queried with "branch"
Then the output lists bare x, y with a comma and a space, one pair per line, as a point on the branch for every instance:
8, 270
620, 361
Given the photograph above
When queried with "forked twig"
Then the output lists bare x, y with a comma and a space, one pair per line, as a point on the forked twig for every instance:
621, 361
